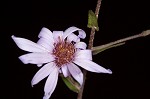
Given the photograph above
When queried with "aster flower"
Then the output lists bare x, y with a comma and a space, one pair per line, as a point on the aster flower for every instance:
58, 52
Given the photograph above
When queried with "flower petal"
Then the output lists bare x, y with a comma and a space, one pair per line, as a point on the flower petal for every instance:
39, 65
46, 97
46, 44
73, 37
36, 58
73, 29
50, 84
65, 70
28, 45
47, 34
83, 55
57, 35
43, 72
76, 73
82, 34
80, 45
91, 66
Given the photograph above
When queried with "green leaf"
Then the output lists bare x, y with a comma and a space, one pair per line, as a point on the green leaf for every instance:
92, 20
96, 50
71, 83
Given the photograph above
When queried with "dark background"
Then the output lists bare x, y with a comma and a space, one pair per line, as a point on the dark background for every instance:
117, 19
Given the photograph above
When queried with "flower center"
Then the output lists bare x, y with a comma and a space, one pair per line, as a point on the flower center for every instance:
64, 52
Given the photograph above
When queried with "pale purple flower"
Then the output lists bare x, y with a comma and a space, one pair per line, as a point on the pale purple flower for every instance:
58, 52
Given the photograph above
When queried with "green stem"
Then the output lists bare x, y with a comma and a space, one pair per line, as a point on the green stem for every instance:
92, 34
143, 34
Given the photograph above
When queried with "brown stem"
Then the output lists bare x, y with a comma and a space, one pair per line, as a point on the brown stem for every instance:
92, 34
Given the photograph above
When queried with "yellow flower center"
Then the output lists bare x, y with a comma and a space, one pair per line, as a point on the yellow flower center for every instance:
64, 52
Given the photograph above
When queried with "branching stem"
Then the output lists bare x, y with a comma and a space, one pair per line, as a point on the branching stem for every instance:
92, 34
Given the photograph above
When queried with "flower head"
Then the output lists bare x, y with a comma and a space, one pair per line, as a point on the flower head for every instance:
58, 52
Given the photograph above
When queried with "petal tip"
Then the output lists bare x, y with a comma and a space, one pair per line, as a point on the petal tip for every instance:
81, 80
32, 83
13, 37
109, 71
45, 29
22, 60
82, 34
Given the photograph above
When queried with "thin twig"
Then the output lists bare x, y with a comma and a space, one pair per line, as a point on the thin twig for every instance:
143, 34
92, 34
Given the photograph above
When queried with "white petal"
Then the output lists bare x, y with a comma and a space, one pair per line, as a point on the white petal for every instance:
39, 65
91, 66
47, 34
76, 73
73, 37
46, 97
50, 84
46, 44
82, 34
73, 29
57, 35
43, 72
28, 45
65, 70
36, 58
80, 45
83, 55
60, 71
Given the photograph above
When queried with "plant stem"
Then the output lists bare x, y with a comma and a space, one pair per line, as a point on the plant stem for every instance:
92, 34
143, 34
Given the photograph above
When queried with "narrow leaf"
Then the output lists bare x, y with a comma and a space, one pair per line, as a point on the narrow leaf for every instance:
92, 20
71, 83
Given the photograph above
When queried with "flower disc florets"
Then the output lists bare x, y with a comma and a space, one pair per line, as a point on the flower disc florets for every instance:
63, 52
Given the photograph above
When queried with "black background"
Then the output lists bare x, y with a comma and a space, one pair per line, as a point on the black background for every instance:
117, 19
